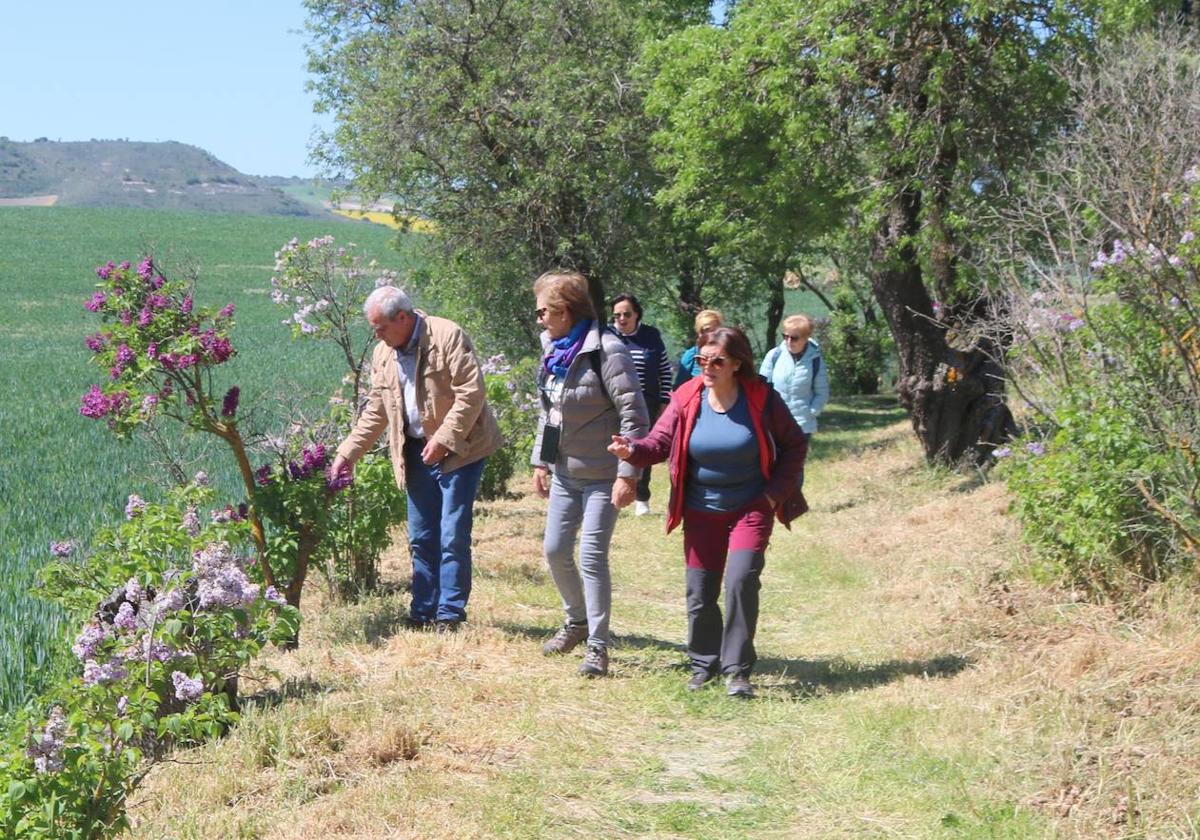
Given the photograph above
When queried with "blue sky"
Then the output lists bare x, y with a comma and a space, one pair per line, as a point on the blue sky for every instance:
226, 76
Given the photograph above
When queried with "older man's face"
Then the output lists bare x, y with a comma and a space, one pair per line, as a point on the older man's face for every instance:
394, 332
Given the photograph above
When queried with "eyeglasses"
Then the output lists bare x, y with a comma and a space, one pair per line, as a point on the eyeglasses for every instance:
715, 362
791, 337
620, 316
541, 312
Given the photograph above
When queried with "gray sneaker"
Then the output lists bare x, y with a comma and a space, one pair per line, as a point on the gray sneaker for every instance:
595, 662
568, 637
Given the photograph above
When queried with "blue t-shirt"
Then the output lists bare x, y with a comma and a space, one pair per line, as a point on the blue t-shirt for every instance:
723, 472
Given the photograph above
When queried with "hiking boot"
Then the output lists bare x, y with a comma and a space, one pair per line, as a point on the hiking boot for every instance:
698, 680
411, 623
566, 639
739, 686
595, 662
447, 626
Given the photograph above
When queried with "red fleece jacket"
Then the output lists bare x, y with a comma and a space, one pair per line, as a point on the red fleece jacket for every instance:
782, 446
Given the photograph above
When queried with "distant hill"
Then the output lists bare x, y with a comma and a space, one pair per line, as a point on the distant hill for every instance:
124, 173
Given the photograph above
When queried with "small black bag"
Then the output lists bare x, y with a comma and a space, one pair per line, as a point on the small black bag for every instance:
548, 454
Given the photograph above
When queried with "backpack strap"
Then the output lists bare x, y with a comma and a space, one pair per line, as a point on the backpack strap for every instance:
772, 358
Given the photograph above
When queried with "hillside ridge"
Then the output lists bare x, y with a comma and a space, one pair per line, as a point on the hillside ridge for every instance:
129, 173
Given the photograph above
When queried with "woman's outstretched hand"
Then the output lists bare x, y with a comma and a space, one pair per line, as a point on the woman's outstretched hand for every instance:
620, 447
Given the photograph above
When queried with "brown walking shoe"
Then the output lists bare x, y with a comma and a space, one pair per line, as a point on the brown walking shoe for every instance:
568, 637
595, 662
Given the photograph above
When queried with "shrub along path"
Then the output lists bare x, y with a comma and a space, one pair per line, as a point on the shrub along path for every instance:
910, 685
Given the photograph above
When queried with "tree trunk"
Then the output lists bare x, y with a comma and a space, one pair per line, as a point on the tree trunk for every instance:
954, 396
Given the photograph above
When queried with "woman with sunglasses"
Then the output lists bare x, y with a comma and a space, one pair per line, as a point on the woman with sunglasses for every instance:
797, 370
589, 392
653, 367
734, 452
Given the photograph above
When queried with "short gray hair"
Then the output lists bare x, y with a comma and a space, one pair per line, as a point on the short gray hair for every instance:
389, 300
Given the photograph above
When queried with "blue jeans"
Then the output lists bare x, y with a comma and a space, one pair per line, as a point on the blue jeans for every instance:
440, 515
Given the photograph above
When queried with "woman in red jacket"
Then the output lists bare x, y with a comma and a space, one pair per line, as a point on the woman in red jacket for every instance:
734, 453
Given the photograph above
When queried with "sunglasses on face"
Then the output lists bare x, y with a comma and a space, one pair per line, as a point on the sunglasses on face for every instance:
620, 316
540, 312
714, 362
791, 337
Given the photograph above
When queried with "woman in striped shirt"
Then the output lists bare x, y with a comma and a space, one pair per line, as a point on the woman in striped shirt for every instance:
653, 366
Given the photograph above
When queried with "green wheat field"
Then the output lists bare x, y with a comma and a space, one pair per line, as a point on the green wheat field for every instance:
62, 475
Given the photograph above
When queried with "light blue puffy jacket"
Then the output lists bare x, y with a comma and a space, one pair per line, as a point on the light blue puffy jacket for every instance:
803, 384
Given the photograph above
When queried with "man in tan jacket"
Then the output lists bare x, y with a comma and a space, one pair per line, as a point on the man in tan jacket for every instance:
428, 394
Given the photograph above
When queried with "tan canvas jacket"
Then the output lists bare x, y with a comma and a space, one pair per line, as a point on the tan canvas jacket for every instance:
452, 394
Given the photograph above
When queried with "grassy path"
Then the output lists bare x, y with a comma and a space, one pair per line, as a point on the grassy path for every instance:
908, 688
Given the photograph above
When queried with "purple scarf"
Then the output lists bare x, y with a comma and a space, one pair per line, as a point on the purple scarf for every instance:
564, 350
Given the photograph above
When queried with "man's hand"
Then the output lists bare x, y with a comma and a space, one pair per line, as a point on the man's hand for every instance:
541, 481
434, 452
620, 447
340, 465
624, 492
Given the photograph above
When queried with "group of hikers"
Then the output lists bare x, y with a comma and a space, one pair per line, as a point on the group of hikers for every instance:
734, 436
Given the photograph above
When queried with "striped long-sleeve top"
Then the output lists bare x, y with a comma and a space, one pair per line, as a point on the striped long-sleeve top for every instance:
652, 363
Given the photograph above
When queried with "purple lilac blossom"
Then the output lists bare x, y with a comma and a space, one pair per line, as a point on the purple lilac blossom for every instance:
222, 582
262, 476
157, 301
272, 595
95, 343
95, 403
97, 674
230, 404
126, 317
105, 271
149, 403
1035, 448
187, 689
170, 601
134, 506
186, 307
226, 311
191, 521
200, 479
46, 748
125, 354
124, 266
145, 268
62, 548
89, 640
340, 481
158, 282
1001, 452
134, 592
126, 618
122, 704
96, 301
145, 317
1188, 236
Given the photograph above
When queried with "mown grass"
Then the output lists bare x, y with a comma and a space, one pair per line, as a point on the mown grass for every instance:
61, 475
893, 700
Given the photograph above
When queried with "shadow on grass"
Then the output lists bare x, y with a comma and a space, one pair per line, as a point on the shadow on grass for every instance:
813, 678
295, 688
846, 419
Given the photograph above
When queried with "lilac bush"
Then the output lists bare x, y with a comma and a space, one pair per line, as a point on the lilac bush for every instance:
172, 620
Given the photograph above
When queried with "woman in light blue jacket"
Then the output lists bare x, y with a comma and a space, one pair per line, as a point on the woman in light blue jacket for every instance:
797, 371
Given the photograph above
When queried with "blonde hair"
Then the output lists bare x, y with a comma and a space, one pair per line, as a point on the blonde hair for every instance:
707, 319
566, 290
802, 323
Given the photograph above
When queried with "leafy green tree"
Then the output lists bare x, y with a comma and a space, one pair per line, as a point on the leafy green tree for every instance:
516, 126
909, 112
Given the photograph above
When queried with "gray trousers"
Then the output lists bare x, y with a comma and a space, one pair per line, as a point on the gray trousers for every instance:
729, 645
587, 590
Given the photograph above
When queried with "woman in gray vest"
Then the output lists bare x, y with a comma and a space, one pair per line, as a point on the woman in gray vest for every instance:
589, 392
